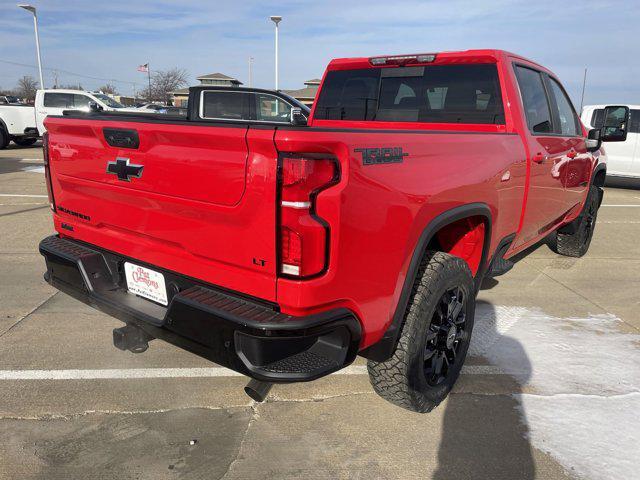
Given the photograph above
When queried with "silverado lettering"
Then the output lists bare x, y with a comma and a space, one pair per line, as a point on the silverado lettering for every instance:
72, 213
285, 256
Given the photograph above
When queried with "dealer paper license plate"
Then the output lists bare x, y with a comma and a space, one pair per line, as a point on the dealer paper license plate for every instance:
146, 282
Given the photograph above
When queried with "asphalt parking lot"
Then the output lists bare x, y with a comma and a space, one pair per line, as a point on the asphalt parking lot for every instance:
551, 389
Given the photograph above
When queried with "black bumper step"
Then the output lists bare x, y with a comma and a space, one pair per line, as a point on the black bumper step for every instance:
248, 336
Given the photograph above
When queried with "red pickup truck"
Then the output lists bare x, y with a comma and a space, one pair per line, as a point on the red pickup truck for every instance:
283, 246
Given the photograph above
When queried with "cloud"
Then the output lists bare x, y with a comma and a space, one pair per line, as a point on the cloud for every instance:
110, 39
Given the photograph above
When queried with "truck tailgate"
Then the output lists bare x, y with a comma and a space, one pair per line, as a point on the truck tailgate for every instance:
198, 200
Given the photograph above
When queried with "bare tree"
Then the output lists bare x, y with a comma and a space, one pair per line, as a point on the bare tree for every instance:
109, 89
164, 82
71, 86
27, 87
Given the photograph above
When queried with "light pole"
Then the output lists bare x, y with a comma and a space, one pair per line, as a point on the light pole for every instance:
32, 9
276, 19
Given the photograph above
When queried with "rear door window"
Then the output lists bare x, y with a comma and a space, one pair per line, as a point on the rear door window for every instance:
58, 100
224, 105
431, 94
534, 100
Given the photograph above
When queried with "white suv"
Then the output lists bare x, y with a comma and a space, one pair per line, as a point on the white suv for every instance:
620, 126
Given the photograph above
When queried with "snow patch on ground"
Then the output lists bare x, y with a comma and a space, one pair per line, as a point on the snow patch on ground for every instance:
34, 169
586, 377
558, 355
594, 437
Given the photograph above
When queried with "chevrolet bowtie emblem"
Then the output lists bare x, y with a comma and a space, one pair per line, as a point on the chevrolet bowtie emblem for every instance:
124, 170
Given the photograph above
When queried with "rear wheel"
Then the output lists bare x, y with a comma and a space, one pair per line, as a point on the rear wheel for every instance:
24, 142
434, 339
4, 138
576, 244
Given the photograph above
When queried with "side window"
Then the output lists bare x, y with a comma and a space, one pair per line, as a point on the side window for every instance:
597, 119
534, 99
81, 101
270, 108
58, 100
568, 124
634, 121
224, 105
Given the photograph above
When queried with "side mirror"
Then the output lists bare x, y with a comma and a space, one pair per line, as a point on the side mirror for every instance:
616, 120
298, 117
593, 141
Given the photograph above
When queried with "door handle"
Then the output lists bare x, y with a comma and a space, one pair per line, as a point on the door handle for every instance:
539, 157
572, 153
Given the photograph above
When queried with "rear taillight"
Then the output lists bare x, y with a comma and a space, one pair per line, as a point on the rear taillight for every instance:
304, 236
47, 170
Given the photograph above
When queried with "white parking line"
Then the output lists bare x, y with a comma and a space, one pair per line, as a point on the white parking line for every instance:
19, 195
618, 221
129, 373
620, 205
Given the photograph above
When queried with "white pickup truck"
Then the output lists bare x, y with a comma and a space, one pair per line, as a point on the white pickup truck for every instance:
17, 123
23, 124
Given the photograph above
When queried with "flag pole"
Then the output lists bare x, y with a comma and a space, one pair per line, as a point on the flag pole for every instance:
149, 78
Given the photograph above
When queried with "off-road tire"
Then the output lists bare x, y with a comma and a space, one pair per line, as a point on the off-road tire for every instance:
24, 142
576, 244
4, 138
402, 379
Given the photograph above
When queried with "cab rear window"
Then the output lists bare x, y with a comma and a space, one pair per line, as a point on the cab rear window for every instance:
431, 94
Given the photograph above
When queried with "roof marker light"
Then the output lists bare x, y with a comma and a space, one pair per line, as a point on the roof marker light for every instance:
403, 59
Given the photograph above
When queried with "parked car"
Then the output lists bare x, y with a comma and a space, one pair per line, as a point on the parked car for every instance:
10, 100
621, 124
152, 106
282, 244
180, 111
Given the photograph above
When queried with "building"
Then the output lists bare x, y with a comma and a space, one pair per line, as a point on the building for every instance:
181, 96
219, 80
307, 94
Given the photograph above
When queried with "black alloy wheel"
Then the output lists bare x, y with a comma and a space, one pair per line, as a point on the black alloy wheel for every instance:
445, 335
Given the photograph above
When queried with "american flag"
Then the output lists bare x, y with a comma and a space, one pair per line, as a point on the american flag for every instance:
143, 68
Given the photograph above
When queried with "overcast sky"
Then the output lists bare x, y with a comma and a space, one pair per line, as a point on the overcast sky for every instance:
109, 39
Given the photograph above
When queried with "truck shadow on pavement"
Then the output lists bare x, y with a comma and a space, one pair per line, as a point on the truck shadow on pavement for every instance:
623, 182
485, 436
15, 164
